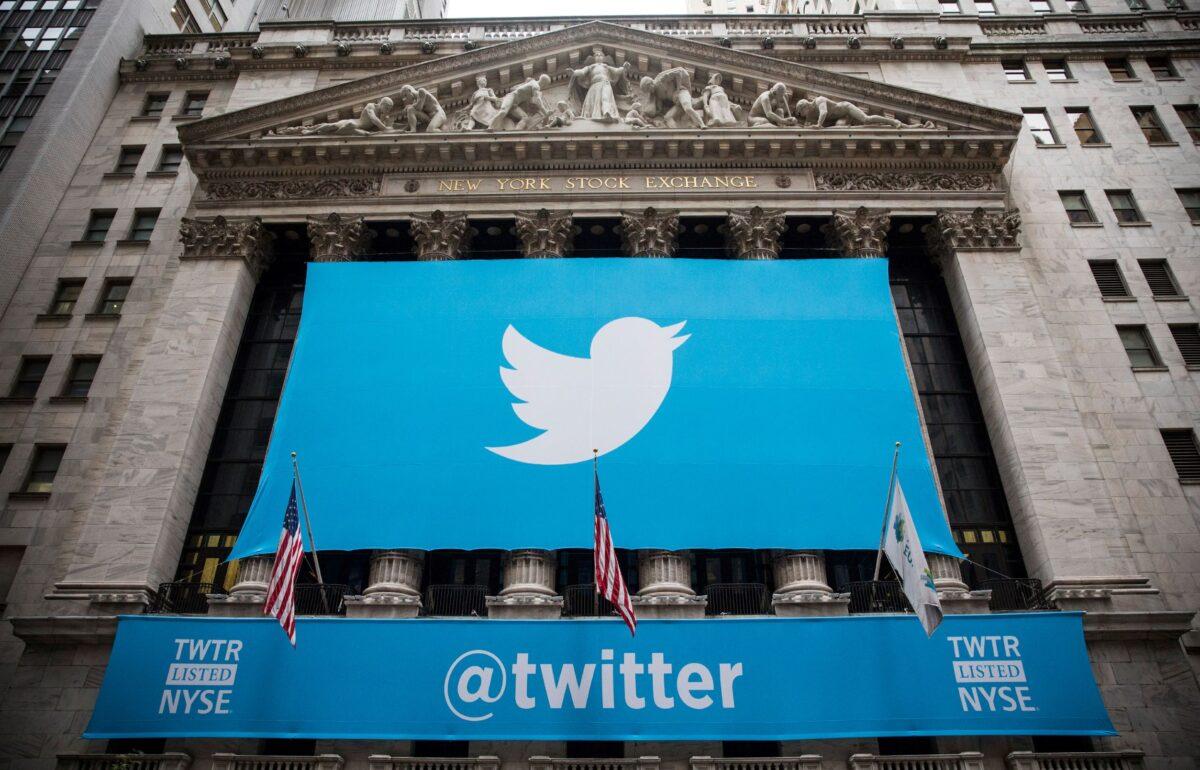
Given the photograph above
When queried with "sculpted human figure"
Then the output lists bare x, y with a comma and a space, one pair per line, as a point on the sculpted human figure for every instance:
634, 116
771, 108
717, 109
484, 104
562, 116
375, 117
421, 109
670, 93
592, 88
523, 104
821, 111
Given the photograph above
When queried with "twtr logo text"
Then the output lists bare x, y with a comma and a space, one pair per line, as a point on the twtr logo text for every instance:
201, 679
987, 669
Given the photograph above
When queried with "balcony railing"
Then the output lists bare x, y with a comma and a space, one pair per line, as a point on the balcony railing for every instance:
181, 599
1075, 760
639, 763
967, 760
171, 761
323, 599
456, 601
802, 762
874, 596
1017, 595
385, 762
275, 762
737, 599
582, 601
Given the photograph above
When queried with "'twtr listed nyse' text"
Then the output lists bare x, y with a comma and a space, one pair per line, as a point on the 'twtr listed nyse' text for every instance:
987, 669
201, 679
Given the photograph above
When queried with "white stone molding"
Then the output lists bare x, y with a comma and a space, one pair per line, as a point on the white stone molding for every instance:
528, 590
666, 586
337, 237
754, 232
859, 233
247, 596
545, 233
439, 236
222, 238
322, 187
649, 233
953, 231
394, 590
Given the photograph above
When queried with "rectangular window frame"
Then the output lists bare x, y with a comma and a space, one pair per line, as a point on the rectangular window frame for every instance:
43, 469
1160, 278
1119, 69
113, 297
1189, 198
1105, 280
1162, 68
170, 158
1187, 342
27, 381
1058, 70
66, 296
1041, 6
1082, 215
128, 158
154, 104
1128, 212
1151, 125
1016, 71
1037, 120
80, 377
1184, 452
985, 7
1139, 347
193, 104
1095, 137
98, 225
143, 224
1189, 116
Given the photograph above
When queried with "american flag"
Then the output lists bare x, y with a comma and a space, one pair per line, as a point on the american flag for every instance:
609, 582
281, 592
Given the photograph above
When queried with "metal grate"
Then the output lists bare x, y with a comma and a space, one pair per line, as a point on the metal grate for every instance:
1187, 339
1159, 278
871, 596
1108, 278
323, 599
737, 599
1181, 445
582, 601
1016, 595
181, 599
456, 601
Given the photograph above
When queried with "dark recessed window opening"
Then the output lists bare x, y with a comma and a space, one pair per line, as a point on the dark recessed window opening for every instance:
154, 105
46, 460
598, 237
493, 239
171, 158
702, 238
1139, 347
1086, 129
1124, 206
1108, 277
750, 749
1187, 339
595, 750
65, 296
1079, 211
127, 160
29, 376
144, 221
1152, 128
80, 378
98, 224
1185, 454
443, 749
1159, 278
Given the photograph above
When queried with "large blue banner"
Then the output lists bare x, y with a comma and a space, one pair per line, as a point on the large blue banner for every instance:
732, 404
769, 679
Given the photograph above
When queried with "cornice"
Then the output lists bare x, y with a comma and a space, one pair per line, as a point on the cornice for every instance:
65, 629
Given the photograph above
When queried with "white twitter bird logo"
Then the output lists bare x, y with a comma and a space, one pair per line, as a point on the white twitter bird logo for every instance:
588, 403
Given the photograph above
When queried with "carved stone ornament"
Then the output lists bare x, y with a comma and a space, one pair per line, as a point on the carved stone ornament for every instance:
337, 238
823, 112
439, 236
859, 233
545, 233
221, 238
978, 229
838, 181
293, 189
650, 233
754, 233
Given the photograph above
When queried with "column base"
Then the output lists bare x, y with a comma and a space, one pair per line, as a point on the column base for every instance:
798, 604
669, 606
383, 604
525, 607
955, 602
240, 605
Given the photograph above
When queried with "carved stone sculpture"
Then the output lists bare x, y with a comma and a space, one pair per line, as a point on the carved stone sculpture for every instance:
649, 233
718, 111
822, 112
562, 116
482, 109
771, 109
374, 118
754, 233
524, 105
439, 236
421, 110
545, 233
221, 238
859, 233
337, 238
666, 99
593, 88
634, 117
978, 229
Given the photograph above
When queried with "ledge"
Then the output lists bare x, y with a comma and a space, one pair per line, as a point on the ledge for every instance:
1141, 223
52, 317
66, 629
1096, 145
68, 399
1150, 369
29, 496
17, 400
1119, 299
86, 244
145, 118
1164, 624
117, 175
1055, 146
1172, 298
1163, 144
1087, 224
133, 242
156, 174
101, 316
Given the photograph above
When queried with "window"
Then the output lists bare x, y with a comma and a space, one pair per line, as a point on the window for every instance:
750, 749
1078, 209
65, 296
1085, 126
46, 460
112, 301
1189, 116
154, 105
1137, 5
79, 379
144, 221
193, 103
1108, 278
985, 7
1124, 207
29, 376
1015, 70
170, 159
1040, 6
5, 451
1187, 339
183, 18
98, 224
595, 750
1119, 69
1162, 67
1056, 70
1191, 203
1181, 445
949, 6
1175, 5
215, 13
127, 161
1152, 127
446, 749
1039, 125
1138, 346
1078, 6
1159, 278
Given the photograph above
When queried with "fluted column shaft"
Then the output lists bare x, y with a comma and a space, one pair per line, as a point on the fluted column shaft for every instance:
395, 572
802, 588
528, 590
247, 595
665, 572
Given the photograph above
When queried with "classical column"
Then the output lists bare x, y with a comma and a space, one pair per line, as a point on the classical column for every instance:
649, 233
545, 233
1071, 535
861, 232
439, 236
246, 596
131, 527
666, 580
953, 593
801, 587
338, 237
394, 590
528, 587
754, 233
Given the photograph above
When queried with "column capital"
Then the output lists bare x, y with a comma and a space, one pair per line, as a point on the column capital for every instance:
221, 238
860, 232
953, 231
649, 233
394, 588
439, 236
545, 233
754, 232
528, 590
338, 237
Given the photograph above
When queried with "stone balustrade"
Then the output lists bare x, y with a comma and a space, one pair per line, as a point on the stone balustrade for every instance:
273, 762
967, 760
639, 763
802, 762
168, 761
1075, 760
385, 762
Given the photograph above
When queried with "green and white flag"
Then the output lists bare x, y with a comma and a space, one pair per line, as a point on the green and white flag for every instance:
903, 549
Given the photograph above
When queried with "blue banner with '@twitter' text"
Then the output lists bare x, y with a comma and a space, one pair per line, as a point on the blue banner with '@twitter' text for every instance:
732, 405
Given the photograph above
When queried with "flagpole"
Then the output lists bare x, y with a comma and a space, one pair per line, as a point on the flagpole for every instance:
595, 480
307, 522
887, 507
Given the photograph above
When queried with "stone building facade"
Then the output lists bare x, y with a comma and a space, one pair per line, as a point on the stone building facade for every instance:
1032, 177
